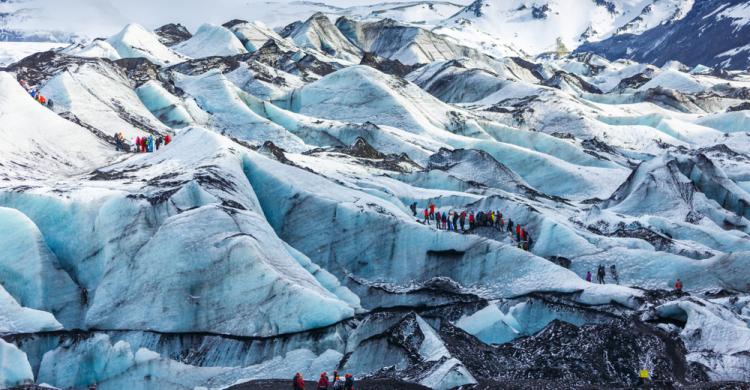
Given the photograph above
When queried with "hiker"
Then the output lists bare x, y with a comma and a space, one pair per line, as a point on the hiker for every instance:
150, 143
678, 285
143, 144
427, 216
50, 104
523, 234
23, 84
463, 220
298, 383
338, 384
529, 243
119, 142
323, 382
471, 220
445, 221
455, 219
413, 208
437, 220
32, 92
510, 225
588, 276
42, 100
158, 142
518, 233
600, 274
167, 139
432, 210
349, 382
137, 144
613, 272
336, 380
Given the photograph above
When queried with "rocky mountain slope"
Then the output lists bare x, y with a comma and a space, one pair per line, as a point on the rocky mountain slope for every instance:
274, 234
725, 24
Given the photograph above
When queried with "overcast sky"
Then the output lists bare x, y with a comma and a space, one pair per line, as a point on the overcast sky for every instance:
106, 17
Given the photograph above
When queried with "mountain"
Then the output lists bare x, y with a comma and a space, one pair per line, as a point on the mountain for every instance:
723, 26
536, 26
282, 228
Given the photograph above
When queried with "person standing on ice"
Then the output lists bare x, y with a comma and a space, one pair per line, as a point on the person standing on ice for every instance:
336, 380
471, 220
158, 142
588, 276
437, 220
529, 243
413, 208
613, 272
445, 221
298, 383
339, 385
518, 233
167, 139
323, 382
678, 285
427, 216
137, 143
463, 221
349, 382
432, 210
600, 274
510, 225
455, 219
143, 144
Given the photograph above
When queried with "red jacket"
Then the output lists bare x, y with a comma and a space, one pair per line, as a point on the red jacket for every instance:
523, 234
299, 383
323, 382
167, 139
432, 208
471, 218
678, 285
518, 229
426, 213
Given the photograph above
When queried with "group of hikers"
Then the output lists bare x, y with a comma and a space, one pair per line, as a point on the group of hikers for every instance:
37, 95
142, 144
601, 273
324, 383
455, 220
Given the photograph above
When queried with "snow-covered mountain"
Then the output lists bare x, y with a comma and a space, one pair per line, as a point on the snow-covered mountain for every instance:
714, 33
543, 26
274, 234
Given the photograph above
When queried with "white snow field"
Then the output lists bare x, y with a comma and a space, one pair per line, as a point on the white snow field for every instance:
275, 233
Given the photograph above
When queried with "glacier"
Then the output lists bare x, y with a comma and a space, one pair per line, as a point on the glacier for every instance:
283, 228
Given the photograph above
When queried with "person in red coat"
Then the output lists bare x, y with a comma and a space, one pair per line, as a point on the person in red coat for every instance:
298, 383
167, 139
323, 382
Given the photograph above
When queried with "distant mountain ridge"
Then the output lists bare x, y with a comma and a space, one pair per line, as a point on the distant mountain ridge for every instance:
714, 33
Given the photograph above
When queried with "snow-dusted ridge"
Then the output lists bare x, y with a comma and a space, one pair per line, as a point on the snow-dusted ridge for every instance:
274, 234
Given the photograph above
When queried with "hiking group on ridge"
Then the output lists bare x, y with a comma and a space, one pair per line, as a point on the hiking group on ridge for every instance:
453, 220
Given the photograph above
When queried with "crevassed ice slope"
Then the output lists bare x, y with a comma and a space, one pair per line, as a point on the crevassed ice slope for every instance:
274, 234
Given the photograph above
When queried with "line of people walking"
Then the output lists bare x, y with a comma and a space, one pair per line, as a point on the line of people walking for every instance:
454, 220
34, 92
140, 144
324, 383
